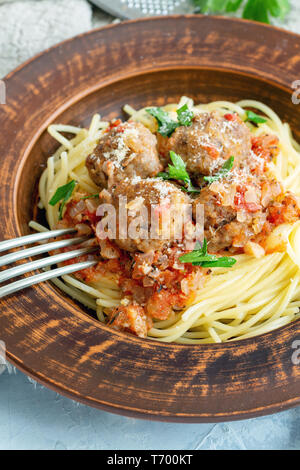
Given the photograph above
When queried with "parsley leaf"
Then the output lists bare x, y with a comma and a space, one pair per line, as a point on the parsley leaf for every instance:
166, 125
164, 175
177, 171
223, 172
257, 10
185, 115
279, 8
90, 196
200, 257
63, 193
253, 117
233, 5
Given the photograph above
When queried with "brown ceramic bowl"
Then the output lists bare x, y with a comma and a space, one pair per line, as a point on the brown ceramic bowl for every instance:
53, 339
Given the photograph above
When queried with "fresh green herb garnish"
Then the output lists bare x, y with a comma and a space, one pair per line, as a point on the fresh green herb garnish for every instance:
177, 171
166, 125
63, 193
257, 10
253, 117
223, 172
185, 115
200, 257
90, 196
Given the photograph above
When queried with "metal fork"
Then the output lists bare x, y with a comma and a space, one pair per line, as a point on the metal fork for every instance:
40, 263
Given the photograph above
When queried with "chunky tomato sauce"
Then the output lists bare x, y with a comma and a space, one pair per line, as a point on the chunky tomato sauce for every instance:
242, 208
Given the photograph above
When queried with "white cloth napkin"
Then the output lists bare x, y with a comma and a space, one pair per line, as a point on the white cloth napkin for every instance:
29, 26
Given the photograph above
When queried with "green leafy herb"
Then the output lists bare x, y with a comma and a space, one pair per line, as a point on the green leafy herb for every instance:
257, 10
63, 193
253, 117
200, 257
164, 175
177, 171
90, 196
233, 5
166, 125
223, 172
261, 10
185, 115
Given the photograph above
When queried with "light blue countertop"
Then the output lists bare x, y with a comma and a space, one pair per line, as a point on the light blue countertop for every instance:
33, 417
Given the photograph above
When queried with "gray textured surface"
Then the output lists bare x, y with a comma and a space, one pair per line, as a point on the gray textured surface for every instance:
33, 417
29, 26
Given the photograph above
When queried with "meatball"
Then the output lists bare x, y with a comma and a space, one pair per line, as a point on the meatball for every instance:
235, 209
155, 211
127, 150
210, 141
215, 214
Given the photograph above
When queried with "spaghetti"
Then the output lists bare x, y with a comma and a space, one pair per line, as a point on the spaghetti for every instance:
254, 296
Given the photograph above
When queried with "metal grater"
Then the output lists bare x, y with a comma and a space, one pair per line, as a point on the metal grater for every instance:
132, 9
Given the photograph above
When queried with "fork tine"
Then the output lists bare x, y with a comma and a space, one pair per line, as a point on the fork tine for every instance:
30, 281
42, 263
37, 250
35, 237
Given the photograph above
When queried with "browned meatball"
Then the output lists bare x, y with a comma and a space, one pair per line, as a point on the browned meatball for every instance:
215, 214
235, 209
125, 151
155, 202
210, 141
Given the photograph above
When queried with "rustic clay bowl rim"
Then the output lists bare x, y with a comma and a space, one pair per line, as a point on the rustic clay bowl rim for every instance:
224, 346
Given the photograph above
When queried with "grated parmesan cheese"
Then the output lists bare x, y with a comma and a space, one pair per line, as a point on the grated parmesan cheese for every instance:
118, 154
